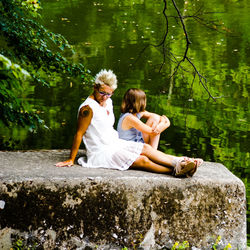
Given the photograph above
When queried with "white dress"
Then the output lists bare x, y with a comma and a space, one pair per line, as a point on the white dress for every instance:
104, 148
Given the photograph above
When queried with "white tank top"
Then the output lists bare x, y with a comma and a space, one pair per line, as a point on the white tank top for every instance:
100, 131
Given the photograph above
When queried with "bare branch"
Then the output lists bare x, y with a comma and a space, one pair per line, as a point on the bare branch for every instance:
166, 18
172, 57
202, 79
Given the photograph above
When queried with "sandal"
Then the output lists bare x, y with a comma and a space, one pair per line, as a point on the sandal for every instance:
198, 163
192, 171
184, 170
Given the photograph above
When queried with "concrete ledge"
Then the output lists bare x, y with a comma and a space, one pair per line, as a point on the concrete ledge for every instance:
72, 208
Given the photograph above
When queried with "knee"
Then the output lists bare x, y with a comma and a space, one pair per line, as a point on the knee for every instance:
143, 160
146, 148
154, 119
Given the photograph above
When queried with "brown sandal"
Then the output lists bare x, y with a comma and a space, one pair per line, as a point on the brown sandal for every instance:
198, 162
184, 170
192, 171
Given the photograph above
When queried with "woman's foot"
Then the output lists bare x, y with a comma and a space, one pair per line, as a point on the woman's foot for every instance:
198, 162
184, 167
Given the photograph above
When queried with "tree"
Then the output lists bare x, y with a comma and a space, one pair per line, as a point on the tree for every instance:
30, 52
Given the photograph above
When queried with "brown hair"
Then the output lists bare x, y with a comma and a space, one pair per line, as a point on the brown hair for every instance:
134, 101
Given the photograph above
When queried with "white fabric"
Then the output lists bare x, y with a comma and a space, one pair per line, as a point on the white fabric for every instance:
104, 148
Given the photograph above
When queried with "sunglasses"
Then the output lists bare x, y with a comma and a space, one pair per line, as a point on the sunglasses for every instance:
104, 93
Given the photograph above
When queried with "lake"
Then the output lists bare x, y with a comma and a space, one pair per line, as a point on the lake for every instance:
124, 36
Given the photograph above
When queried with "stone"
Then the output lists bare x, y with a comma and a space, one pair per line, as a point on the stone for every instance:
83, 208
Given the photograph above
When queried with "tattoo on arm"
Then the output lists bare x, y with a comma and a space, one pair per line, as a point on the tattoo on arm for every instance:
85, 112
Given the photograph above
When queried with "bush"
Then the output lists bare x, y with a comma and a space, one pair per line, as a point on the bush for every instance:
29, 53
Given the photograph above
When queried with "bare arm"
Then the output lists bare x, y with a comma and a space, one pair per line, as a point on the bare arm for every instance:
157, 122
154, 118
84, 119
132, 121
163, 124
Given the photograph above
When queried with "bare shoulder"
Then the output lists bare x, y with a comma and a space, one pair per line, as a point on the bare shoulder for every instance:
85, 111
131, 119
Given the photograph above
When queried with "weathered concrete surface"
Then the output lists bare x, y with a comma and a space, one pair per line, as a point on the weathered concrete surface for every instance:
71, 208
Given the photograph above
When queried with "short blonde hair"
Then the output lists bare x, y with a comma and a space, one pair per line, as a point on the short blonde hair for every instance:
106, 77
134, 101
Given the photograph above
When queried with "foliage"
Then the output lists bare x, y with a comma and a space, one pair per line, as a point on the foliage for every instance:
183, 245
20, 244
25, 43
217, 243
12, 108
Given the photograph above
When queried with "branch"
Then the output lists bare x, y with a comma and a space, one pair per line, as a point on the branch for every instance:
162, 43
185, 57
202, 79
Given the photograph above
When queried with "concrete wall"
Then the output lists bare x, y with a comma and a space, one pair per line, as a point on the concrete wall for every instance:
74, 208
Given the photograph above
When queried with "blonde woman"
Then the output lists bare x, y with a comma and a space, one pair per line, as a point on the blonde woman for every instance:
105, 149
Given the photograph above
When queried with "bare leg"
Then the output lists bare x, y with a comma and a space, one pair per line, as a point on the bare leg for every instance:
146, 164
156, 161
158, 156
152, 140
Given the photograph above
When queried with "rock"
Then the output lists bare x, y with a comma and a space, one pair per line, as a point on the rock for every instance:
83, 208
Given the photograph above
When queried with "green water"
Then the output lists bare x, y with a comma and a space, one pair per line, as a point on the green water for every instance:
113, 34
